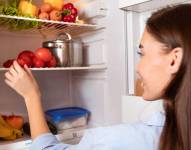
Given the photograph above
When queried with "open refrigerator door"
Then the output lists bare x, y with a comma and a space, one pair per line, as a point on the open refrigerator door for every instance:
136, 14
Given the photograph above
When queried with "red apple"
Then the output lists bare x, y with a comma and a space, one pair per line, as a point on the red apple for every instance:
15, 121
38, 63
52, 62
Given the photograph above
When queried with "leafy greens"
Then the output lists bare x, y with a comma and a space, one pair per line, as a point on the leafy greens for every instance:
10, 7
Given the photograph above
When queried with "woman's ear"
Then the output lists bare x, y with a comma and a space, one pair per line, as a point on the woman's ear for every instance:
175, 59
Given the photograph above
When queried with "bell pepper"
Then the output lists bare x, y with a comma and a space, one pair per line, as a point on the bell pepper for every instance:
69, 13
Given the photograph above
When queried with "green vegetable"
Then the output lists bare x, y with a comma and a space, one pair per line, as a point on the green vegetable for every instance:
10, 7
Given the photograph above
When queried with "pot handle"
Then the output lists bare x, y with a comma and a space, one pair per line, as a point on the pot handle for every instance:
65, 34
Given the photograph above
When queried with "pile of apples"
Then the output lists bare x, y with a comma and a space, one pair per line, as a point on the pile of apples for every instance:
15, 121
41, 57
50, 10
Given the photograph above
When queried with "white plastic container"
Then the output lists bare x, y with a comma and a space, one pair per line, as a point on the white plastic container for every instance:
72, 123
69, 117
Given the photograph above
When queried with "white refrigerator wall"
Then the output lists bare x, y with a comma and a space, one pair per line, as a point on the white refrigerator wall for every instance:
98, 91
101, 91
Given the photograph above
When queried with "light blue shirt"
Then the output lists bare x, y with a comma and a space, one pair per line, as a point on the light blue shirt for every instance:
137, 136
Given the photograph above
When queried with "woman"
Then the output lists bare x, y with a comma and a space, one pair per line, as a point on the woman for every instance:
165, 71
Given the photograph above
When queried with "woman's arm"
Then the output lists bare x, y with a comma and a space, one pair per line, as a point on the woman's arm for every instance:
24, 83
37, 120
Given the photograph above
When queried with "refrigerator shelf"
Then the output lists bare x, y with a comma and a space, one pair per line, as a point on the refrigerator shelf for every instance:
92, 67
50, 26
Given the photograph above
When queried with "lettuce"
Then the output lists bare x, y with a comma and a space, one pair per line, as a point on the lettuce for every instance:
10, 7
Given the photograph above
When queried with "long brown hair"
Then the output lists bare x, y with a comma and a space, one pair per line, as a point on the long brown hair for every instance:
172, 26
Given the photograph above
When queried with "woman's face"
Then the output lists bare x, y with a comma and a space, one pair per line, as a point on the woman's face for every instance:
153, 67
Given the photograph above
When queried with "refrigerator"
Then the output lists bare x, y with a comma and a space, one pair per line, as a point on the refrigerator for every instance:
96, 86
105, 84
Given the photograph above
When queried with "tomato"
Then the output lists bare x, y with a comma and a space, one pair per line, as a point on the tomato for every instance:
52, 62
43, 54
38, 63
25, 61
25, 57
26, 53
8, 63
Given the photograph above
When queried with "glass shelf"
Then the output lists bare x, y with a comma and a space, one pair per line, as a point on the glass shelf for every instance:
93, 67
50, 26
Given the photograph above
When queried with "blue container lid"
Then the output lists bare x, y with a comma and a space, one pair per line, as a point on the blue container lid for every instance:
62, 114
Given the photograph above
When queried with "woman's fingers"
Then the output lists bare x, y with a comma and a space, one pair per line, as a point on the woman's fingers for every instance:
13, 71
9, 76
17, 67
27, 69
9, 83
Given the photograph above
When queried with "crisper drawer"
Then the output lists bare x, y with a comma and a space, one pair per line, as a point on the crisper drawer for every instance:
70, 136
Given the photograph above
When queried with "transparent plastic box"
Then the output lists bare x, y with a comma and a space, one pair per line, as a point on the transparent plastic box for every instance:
69, 117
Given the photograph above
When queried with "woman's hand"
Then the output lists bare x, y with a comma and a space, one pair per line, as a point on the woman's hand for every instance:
22, 81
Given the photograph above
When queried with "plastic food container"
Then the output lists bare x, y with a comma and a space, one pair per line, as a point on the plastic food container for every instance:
69, 117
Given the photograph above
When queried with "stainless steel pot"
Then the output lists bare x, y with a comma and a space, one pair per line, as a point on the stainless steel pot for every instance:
67, 51
76, 53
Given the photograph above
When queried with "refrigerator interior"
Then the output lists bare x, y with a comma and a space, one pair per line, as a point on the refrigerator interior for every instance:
98, 90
